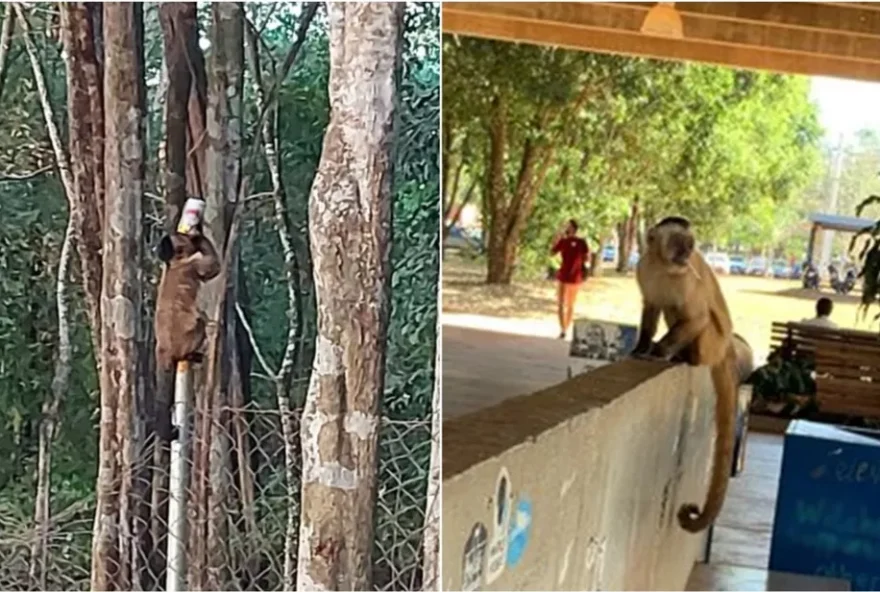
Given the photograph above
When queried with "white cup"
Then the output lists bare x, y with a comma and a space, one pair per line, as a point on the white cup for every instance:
191, 216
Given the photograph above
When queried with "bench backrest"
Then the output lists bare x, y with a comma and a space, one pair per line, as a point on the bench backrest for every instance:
847, 365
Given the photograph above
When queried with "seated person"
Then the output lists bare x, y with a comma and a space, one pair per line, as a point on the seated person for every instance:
786, 350
823, 312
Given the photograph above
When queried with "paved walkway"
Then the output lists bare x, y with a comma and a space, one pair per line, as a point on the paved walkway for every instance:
482, 368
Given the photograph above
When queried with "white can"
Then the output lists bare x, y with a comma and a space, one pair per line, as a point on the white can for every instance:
191, 215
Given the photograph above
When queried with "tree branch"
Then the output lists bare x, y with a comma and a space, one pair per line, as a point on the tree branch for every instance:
26, 176
260, 358
5, 44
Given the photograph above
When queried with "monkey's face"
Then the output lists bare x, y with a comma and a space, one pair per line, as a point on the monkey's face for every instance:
672, 242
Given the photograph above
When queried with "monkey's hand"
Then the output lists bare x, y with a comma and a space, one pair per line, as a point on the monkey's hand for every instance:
194, 258
655, 352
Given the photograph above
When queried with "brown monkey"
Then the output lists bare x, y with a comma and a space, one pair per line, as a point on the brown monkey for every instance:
189, 261
676, 281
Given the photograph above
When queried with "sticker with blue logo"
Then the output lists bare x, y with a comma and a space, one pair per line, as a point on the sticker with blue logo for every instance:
520, 531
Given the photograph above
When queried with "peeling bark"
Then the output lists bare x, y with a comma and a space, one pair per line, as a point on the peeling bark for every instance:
222, 384
350, 233
86, 133
179, 25
120, 499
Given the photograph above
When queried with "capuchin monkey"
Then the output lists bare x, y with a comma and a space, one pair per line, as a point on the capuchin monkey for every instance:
676, 281
190, 260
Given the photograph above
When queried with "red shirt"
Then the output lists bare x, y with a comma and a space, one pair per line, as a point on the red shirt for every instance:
574, 254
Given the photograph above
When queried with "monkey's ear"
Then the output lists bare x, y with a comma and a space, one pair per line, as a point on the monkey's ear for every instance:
165, 249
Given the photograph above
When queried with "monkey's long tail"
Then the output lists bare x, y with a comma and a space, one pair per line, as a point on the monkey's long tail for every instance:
689, 515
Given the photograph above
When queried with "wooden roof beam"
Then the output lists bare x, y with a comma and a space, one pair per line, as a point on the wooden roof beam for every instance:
816, 16
628, 17
504, 28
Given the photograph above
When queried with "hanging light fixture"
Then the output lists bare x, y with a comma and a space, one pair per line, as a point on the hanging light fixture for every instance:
663, 21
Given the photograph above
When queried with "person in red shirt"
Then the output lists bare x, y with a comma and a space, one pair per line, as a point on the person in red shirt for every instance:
575, 254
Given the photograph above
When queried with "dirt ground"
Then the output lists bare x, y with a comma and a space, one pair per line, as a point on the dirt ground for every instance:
529, 307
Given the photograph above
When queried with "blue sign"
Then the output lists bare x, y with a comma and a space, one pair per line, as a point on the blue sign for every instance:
828, 510
520, 529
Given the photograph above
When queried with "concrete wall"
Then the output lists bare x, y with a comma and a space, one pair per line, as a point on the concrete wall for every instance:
605, 460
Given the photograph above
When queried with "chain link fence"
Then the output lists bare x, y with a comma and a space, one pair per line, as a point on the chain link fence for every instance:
252, 521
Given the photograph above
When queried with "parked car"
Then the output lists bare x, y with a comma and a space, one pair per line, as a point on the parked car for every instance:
780, 269
757, 266
460, 239
609, 253
738, 265
633, 258
719, 262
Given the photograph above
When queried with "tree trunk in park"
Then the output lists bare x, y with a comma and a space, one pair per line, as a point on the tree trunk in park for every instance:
85, 110
627, 233
509, 209
596, 263
350, 233
120, 495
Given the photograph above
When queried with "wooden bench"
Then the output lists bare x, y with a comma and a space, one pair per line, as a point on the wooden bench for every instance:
847, 365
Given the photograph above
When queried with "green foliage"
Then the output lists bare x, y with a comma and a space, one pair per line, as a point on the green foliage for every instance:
732, 150
779, 379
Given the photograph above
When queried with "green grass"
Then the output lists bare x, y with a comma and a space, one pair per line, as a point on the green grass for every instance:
754, 302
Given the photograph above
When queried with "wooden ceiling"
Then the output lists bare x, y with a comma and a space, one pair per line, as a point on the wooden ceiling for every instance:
839, 39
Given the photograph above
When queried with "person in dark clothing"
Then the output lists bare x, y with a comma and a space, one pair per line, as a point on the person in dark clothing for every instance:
575, 254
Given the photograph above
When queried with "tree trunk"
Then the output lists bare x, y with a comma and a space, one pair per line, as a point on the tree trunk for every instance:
179, 34
620, 267
178, 21
50, 418
626, 237
431, 544
509, 210
6, 32
221, 386
350, 233
120, 499
86, 132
